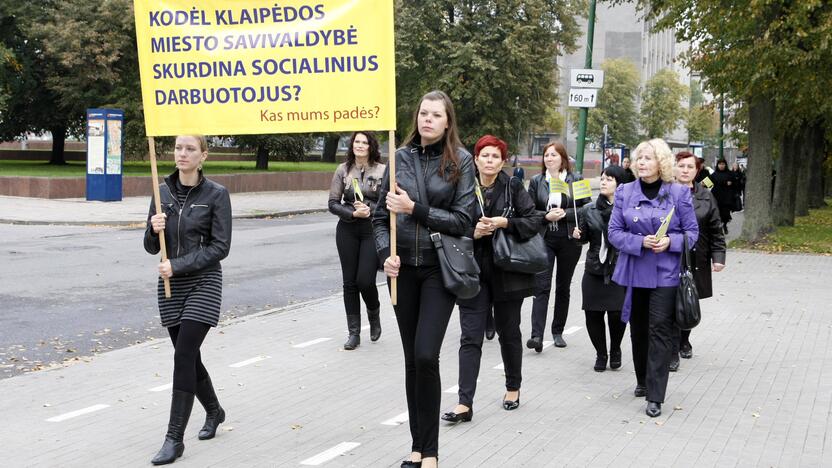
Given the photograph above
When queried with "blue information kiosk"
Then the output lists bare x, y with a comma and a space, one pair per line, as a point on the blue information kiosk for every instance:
104, 154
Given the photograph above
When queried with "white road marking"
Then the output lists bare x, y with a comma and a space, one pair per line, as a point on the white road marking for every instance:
547, 344
455, 388
500, 366
80, 412
397, 420
328, 455
310, 343
365, 327
249, 361
572, 330
161, 388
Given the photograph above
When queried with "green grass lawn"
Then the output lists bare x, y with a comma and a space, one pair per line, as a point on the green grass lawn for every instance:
142, 168
810, 234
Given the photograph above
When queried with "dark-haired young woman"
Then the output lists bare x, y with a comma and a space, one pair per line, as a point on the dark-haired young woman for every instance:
424, 304
353, 195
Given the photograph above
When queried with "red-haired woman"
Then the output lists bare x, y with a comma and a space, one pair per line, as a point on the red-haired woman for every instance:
557, 226
432, 156
709, 254
500, 291
354, 233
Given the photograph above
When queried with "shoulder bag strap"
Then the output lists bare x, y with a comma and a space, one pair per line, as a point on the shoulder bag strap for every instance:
508, 211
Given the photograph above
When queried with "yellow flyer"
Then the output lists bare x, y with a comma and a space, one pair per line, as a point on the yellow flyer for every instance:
558, 186
356, 188
665, 223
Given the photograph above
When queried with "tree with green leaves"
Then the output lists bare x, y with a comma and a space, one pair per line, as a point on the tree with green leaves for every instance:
616, 105
701, 120
288, 147
496, 60
661, 103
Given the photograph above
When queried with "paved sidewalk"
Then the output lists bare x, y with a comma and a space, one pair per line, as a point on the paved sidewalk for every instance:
133, 210
758, 392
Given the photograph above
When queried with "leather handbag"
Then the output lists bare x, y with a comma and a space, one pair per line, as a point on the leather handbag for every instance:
460, 272
513, 254
687, 296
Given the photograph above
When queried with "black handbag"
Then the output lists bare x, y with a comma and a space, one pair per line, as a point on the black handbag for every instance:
513, 254
687, 296
460, 272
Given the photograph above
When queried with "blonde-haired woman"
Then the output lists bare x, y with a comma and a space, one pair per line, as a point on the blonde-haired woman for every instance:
199, 212
648, 266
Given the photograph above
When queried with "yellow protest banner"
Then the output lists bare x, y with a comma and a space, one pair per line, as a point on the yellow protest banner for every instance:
558, 186
256, 66
707, 182
356, 188
581, 189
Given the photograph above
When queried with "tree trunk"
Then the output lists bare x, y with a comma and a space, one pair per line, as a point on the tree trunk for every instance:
757, 220
782, 209
58, 138
816, 176
262, 154
804, 166
330, 148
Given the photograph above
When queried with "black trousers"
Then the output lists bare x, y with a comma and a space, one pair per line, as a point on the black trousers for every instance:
651, 332
359, 263
187, 337
681, 337
423, 312
597, 333
566, 252
473, 314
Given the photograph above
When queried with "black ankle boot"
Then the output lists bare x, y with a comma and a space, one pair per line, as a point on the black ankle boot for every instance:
180, 410
615, 359
214, 414
375, 324
600, 363
354, 327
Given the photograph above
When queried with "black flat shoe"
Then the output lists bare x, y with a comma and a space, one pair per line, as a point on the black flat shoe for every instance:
686, 351
615, 359
509, 405
600, 363
458, 417
559, 342
535, 343
411, 464
654, 409
640, 391
674, 364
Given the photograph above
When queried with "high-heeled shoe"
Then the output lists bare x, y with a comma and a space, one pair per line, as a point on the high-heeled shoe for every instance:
535, 343
654, 409
455, 417
411, 464
510, 405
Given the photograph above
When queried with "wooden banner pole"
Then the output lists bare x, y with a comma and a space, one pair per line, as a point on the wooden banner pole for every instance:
155, 180
391, 166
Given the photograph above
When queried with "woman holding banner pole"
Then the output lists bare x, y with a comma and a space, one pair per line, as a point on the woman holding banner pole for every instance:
648, 262
200, 211
424, 304
353, 194
558, 223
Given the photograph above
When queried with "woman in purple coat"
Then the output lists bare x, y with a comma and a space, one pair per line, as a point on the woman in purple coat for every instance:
648, 266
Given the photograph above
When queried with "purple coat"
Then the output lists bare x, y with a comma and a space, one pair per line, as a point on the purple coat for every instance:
634, 216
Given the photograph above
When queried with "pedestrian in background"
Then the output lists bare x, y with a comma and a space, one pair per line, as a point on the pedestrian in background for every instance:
424, 304
601, 296
557, 226
648, 266
724, 190
501, 292
200, 210
709, 254
626, 164
353, 195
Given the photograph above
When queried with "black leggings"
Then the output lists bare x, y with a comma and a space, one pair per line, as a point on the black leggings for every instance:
359, 263
597, 334
187, 337
423, 312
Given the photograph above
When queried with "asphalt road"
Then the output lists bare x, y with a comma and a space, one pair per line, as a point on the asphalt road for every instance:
67, 292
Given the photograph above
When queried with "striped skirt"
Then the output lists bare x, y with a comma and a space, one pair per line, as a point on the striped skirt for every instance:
196, 298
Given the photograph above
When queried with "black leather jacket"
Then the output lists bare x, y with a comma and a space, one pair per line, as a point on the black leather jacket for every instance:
592, 227
539, 191
198, 233
342, 194
450, 208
